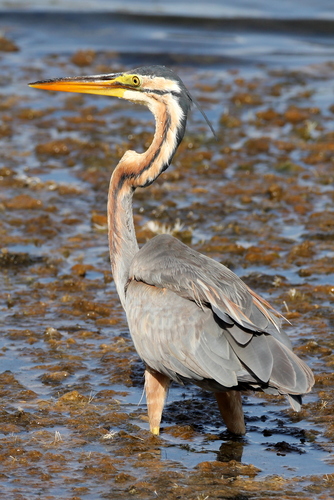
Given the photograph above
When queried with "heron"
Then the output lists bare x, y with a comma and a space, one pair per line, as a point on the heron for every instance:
191, 318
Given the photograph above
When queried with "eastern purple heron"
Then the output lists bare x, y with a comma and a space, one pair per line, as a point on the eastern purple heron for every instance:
190, 317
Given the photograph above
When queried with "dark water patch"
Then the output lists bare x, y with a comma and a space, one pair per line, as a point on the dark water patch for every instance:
315, 26
10, 260
192, 427
165, 39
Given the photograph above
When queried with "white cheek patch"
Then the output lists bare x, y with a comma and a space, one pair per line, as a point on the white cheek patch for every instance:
161, 84
136, 96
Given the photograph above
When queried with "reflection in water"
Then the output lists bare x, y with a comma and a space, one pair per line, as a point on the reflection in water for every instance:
231, 450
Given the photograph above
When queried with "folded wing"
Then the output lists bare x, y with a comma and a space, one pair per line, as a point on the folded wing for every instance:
193, 319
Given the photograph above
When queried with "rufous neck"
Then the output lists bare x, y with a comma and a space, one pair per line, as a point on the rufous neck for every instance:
139, 170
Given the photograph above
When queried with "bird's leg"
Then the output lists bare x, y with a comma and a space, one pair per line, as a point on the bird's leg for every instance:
156, 388
230, 406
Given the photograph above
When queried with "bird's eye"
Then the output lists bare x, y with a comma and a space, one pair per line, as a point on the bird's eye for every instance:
135, 81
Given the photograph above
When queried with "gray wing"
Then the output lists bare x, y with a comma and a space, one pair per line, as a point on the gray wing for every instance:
192, 318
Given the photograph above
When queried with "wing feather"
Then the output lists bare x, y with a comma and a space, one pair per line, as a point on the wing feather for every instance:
257, 356
301, 375
193, 319
166, 262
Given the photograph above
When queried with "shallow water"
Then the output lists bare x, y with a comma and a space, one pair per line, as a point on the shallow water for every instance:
260, 200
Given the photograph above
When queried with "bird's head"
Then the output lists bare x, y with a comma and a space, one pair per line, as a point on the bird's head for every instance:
144, 85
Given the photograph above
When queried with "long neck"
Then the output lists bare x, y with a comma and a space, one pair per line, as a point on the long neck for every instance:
139, 170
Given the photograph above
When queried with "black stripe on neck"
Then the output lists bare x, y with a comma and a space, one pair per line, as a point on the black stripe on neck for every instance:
161, 92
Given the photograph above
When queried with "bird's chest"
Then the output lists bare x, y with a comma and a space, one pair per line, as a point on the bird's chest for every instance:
159, 319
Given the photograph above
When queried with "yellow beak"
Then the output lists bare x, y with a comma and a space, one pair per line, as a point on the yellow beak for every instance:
113, 85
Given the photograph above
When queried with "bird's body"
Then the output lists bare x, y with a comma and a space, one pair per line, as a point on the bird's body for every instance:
191, 318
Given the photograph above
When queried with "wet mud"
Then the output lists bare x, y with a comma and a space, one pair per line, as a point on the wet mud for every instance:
260, 200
